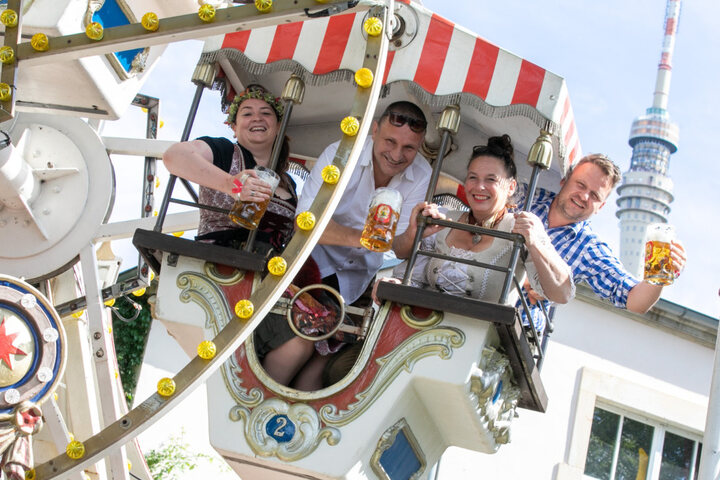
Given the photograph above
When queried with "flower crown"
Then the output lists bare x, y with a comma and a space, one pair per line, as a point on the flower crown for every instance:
257, 94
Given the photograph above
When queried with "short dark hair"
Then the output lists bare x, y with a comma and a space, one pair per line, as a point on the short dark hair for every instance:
406, 108
500, 148
604, 163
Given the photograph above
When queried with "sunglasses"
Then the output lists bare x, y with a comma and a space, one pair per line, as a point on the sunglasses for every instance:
398, 120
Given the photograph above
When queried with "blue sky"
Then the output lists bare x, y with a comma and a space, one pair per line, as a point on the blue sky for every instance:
608, 53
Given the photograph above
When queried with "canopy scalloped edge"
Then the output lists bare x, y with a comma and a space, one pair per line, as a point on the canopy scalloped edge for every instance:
460, 98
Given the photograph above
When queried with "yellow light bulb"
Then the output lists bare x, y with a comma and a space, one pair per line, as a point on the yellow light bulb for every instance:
277, 265
94, 31
9, 18
30, 474
152, 276
244, 309
110, 330
305, 221
129, 465
263, 6
330, 174
150, 21
206, 13
350, 126
40, 42
206, 349
139, 292
144, 110
110, 302
179, 234
157, 182
373, 26
162, 123
5, 92
75, 450
7, 55
364, 77
166, 387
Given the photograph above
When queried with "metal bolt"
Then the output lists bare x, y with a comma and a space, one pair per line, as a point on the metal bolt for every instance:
97, 335
51, 165
100, 353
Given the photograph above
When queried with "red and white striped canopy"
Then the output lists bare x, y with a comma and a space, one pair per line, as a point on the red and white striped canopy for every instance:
443, 62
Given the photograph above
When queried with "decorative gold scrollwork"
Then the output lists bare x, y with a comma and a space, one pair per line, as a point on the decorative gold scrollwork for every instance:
411, 320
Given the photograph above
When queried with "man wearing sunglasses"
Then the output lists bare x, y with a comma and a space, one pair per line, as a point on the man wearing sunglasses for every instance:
389, 159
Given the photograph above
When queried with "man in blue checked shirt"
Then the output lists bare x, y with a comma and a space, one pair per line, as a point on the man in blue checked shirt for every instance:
562, 219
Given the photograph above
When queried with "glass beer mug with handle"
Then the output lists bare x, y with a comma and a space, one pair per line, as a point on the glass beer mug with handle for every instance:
659, 268
247, 213
382, 220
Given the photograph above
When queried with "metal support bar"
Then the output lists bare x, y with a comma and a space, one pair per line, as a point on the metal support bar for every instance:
531, 188
422, 221
549, 329
200, 205
465, 261
171, 180
274, 156
152, 105
173, 29
510, 275
534, 331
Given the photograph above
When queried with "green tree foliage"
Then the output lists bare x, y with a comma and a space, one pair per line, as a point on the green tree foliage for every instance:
131, 338
175, 458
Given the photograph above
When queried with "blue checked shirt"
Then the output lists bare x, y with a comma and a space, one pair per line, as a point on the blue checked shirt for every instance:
590, 259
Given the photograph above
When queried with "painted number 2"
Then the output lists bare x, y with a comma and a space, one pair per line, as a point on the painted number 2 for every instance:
281, 428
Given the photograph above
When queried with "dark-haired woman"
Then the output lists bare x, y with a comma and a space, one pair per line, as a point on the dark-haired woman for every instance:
489, 186
224, 171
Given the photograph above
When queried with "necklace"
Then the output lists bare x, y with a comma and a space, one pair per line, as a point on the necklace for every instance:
489, 223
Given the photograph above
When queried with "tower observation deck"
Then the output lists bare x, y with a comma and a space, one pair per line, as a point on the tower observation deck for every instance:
646, 191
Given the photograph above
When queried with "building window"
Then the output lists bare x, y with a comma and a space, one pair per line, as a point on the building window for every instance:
622, 448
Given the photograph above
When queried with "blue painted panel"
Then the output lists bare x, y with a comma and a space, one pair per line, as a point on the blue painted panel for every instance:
399, 461
111, 15
281, 428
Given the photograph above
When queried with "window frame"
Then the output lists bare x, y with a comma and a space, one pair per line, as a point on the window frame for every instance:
632, 394
660, 428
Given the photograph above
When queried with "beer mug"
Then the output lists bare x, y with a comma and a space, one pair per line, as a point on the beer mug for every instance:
247, 213
659, 269
382, 220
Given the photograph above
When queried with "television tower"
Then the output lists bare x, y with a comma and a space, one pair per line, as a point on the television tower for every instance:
646, 190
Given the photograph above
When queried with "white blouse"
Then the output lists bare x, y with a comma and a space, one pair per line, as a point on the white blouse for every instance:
460, 279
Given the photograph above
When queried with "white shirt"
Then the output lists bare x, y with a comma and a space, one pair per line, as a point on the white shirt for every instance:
355, 267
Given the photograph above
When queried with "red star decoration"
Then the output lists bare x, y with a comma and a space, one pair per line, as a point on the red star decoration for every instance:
6, 345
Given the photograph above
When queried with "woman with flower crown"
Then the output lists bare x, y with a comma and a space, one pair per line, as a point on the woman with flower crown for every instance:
224, 171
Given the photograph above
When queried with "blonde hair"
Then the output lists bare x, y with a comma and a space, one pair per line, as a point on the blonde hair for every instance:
604, 163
